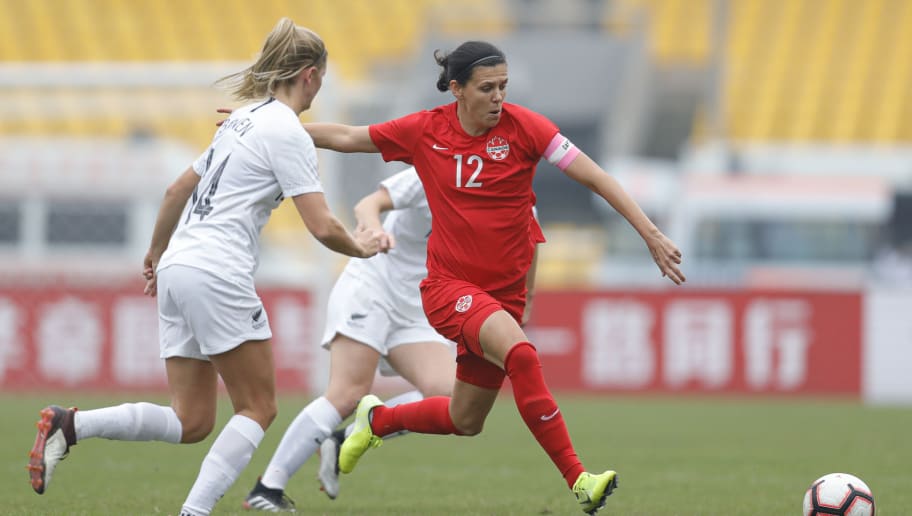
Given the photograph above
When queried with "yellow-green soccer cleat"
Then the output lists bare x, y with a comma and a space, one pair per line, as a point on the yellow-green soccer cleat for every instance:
362, 437
591, 490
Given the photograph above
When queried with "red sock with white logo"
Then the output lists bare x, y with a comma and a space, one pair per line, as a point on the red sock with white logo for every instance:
428, 416
539, 410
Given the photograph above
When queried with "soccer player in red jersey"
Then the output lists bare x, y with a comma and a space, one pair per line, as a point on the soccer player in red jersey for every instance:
476, 158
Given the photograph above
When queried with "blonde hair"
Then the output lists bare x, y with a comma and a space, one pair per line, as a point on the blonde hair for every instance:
288, 49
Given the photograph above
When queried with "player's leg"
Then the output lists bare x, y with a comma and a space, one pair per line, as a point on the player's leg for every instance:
427, 365
191, 380
328, 470
420, 356
504, 343
430, 366
189, 419
474, 392
248, 373
352, 368
433, 415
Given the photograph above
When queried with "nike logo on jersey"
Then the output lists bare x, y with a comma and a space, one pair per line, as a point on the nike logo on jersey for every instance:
437, 147
551, 416
357, 316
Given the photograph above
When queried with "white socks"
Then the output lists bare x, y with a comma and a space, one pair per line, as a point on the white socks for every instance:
229, 455
129, 422
302, 438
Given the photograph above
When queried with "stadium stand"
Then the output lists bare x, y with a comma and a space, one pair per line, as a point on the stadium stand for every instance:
821, 72
82, 63
812, 71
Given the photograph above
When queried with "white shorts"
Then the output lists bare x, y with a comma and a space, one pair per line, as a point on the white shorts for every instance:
361, 309
200, 314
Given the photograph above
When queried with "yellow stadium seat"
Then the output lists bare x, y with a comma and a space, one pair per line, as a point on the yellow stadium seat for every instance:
795, 70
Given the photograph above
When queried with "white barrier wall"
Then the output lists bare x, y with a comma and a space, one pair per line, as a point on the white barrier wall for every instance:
887, 368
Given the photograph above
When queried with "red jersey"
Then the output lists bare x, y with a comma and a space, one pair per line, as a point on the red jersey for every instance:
479, 190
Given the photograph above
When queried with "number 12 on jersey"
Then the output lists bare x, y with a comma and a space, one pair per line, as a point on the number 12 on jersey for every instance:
472, 160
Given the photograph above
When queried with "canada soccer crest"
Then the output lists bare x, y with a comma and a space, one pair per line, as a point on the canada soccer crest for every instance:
464, 303
498, 148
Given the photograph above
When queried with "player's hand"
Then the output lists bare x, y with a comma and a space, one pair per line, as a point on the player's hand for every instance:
150, 263
387, 241
667, 256
371, 241
226, 111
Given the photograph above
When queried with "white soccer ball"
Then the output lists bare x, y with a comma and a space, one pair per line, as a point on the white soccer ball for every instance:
841, 494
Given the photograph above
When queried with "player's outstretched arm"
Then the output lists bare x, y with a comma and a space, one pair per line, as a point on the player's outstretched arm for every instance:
337, 137
326, 228
169, 212
368, 210
664, 252
341, 138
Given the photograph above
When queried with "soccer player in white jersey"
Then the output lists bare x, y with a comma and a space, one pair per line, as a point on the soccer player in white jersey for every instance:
374, 318
201, 263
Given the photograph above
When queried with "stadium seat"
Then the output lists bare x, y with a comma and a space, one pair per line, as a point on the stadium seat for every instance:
832, 71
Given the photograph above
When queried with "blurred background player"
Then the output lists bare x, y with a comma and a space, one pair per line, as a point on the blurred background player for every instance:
476, 158
374, 313
201, 262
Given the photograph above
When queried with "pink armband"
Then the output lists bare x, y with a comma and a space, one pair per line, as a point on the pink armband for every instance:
561, 151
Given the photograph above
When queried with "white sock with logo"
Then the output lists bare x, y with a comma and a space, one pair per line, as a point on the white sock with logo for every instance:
129, 422
302, 438
229, 455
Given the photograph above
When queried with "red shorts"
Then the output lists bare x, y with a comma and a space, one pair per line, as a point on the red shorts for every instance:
457, 309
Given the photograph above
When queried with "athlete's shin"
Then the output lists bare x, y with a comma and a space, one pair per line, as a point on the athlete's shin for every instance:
228, 456
428, 416
302, 438
130, 422
539, 410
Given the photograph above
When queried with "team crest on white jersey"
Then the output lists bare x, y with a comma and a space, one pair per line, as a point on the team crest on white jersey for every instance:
498, 148
464, 303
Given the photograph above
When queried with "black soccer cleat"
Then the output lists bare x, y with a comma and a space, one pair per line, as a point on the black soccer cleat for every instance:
262, 498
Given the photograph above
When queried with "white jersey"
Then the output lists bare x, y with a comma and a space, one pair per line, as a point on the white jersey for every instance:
259, 156
401, 269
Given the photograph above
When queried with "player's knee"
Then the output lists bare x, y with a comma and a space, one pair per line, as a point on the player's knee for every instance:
195, 428
521, 357
264, 412
346, 399
468, 425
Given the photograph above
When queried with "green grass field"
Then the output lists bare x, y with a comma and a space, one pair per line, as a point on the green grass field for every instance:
674, 457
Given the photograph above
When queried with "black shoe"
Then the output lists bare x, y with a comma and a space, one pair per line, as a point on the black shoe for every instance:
262, 498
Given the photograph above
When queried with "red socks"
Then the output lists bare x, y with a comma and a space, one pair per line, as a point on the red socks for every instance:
428, 416
539, 410
533, 399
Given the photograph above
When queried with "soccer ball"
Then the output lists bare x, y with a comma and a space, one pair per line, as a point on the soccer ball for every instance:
841, 494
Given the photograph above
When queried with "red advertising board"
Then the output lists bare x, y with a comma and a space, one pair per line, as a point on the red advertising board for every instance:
669, 341
98, 338
728, 341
